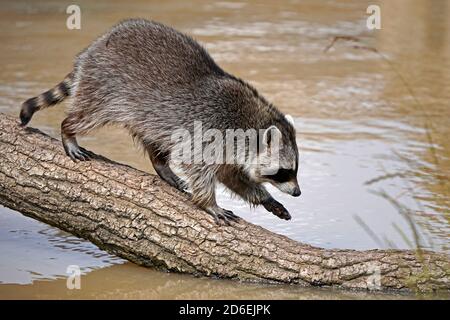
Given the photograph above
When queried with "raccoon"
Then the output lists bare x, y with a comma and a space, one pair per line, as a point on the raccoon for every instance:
152, 79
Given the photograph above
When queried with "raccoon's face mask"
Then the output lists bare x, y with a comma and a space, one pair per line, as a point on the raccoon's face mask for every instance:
285, 180
278, 163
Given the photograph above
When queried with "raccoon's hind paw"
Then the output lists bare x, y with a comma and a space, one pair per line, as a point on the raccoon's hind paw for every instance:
276, 208
220, 214
79, 153
177, 183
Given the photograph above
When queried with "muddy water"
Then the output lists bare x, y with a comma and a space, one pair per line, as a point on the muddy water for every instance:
373, 129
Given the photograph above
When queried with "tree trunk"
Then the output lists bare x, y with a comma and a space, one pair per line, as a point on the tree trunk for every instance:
138, 217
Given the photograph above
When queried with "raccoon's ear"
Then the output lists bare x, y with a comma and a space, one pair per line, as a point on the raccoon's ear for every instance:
290, 119
271, 135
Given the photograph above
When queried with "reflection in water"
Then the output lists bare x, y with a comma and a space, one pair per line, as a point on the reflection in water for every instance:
32, 250
372, 127
128, 281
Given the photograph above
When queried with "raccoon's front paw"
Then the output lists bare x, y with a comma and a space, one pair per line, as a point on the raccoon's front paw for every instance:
219, 214
276, 208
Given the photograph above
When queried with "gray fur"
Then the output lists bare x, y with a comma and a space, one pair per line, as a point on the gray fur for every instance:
152, 80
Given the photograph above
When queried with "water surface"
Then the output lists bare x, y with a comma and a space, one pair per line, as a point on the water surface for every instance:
372, 125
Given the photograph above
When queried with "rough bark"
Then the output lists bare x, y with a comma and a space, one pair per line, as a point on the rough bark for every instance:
138, 217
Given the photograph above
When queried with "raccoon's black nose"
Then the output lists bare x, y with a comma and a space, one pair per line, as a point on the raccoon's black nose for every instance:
296, 192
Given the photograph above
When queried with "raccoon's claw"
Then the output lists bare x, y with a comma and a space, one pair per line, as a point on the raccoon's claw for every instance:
80, 154
179, 184
277, 209
229, 214
220, 214
168, 176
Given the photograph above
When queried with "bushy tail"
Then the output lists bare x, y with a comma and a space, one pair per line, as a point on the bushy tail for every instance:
46, 99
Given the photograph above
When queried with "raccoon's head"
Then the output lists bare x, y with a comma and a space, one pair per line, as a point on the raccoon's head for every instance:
277, 159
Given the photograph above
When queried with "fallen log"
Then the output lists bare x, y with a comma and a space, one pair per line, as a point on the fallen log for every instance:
138, 217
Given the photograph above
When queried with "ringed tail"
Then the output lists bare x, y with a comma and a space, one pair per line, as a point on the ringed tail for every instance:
46, 99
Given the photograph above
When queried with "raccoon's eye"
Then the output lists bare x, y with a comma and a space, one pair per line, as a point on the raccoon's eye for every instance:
282, 175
